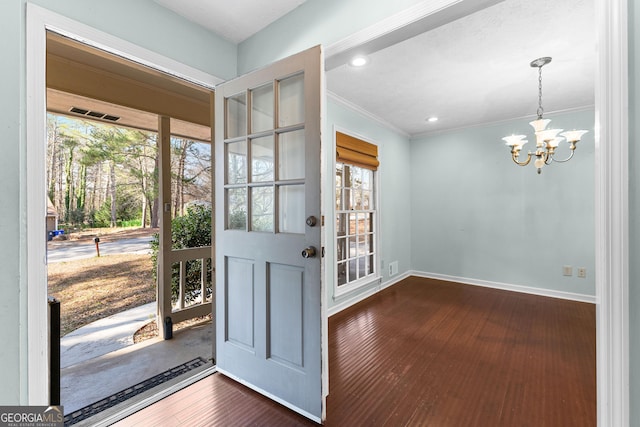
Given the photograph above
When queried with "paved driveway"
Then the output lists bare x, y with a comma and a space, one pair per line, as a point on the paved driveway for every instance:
71, 250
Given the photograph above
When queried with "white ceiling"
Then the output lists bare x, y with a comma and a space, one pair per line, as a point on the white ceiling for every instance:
476, 69
473, 70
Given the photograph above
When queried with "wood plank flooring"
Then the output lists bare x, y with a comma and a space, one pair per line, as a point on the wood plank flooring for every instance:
429, 353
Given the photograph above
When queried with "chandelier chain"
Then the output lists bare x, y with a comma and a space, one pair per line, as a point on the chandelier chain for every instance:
540, 109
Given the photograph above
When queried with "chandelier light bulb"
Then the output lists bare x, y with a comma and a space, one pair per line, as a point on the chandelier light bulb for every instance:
515, 140
547, 135
540, 124
573, 135
555, 142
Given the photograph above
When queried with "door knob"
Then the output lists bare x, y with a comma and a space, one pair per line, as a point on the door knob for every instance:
312, 221
309, 252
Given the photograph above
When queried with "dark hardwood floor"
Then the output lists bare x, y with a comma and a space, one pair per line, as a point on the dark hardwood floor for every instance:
429, 353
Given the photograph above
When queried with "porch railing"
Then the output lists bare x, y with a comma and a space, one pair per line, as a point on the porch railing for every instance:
192, 301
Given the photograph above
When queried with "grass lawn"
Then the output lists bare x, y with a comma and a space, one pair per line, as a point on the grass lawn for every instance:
94, 288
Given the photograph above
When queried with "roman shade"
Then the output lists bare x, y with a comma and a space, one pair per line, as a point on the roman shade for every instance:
356, 152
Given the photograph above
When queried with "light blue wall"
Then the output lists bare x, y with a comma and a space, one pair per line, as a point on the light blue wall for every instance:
634, 211
477, 215
147, 24
314, 22
12, 213
394, 202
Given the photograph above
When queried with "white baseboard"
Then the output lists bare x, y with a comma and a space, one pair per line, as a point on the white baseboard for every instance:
348, 302
507, 287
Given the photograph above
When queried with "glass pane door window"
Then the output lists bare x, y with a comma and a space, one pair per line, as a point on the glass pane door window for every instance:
265, 158
355, 224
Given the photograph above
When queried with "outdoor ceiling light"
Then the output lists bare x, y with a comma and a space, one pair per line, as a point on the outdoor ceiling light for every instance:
547, 140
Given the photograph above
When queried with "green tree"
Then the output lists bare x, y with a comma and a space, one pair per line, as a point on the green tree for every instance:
128, 209
191, 230
89, 163
108, 144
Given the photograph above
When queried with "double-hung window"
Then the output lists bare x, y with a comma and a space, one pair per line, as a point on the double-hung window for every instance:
356, 212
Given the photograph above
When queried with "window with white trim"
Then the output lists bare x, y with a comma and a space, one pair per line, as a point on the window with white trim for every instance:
356, 216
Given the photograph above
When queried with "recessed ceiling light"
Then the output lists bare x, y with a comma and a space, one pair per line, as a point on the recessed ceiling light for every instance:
432, 119
359, 61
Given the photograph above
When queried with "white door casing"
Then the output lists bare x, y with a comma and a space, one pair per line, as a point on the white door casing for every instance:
39, 21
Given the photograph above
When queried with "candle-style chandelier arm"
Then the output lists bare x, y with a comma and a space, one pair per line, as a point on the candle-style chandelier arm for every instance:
516, 142
516, 153
553, 159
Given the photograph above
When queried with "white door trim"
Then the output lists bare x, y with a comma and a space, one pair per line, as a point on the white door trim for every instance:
39, 20
612, 213
611, 184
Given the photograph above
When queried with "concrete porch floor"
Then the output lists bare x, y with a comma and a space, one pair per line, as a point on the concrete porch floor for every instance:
89, 381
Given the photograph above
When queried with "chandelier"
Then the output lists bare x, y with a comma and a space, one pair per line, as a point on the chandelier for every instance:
547, 140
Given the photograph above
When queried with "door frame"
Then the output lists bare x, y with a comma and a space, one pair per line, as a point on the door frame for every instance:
612, 213
39, 21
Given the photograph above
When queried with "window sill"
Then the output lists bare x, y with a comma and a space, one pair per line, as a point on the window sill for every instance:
341, 291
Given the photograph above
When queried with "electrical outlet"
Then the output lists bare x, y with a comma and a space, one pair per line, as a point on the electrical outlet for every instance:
567, 270
582, 272
393, 268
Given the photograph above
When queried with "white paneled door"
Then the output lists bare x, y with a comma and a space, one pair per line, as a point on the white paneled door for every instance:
268, 256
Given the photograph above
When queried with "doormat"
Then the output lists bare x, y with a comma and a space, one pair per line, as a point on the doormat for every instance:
129, 392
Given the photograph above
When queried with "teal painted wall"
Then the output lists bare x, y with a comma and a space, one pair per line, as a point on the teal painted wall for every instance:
477, 215
12, 212
149, 25
394, 197
634, 212
314, 22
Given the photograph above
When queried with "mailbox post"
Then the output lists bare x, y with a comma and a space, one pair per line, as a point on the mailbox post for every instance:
96, 240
